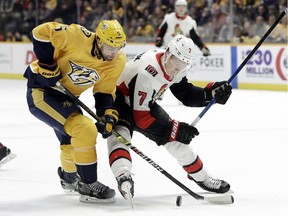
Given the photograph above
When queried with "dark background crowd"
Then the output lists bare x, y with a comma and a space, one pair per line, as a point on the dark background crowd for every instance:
235, 21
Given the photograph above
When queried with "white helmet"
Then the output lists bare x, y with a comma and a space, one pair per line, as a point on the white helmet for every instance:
181, 2
182, 48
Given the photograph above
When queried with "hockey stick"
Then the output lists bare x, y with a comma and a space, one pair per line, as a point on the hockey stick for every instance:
242, 64
223, 199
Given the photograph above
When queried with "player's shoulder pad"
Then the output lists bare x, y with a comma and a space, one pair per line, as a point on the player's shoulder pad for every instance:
170, 15
44, 31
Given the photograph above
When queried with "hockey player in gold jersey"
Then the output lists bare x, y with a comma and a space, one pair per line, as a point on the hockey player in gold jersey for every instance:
79, 59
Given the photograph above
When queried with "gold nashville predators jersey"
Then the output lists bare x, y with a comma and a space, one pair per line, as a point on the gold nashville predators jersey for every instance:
74, 52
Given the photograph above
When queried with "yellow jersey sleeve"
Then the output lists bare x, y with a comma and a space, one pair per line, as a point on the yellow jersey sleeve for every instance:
61, 36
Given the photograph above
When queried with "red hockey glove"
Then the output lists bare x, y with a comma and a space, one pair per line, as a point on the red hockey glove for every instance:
110, 119
181, 132
221, 91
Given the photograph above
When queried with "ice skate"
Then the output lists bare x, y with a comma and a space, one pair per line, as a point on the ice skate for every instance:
95, 193
5, 155
126, 185
69, 181
213, 185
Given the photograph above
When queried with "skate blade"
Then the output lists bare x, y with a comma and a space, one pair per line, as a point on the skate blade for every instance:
88, 199
128, 196
71, 192
8, 158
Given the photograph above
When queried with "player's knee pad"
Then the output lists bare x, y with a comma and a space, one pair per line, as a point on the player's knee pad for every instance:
183, 153
82, 130
83, 134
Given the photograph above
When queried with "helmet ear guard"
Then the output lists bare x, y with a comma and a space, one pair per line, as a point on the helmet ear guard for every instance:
111, 33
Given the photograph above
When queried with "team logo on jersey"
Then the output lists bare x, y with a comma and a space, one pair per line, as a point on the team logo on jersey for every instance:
104, 26
86, 32
177, 30
66, 104
158, 94
150, 69
82, 76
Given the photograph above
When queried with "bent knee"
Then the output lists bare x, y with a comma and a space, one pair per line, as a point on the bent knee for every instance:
82, 130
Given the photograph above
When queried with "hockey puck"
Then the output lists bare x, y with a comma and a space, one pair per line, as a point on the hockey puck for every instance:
179, 200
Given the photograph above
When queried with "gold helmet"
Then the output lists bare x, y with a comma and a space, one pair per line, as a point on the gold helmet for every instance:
111, 33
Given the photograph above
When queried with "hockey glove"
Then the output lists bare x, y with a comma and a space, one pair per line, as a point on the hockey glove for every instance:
109, 122
205, 51
48, 75
221, 91
159, 42
182, 132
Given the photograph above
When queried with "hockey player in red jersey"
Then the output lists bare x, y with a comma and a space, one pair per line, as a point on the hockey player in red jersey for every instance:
79, 60
179, 22
144, 79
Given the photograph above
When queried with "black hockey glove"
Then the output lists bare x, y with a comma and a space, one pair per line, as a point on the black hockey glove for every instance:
110, 119
205, 51
221, 91
181, 132
48, 75
159, 42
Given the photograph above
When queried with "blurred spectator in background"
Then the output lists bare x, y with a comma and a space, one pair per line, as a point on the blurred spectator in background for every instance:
207, 32
1, 37
9, 37
283, 35
22, 16
282, 5
132, 26
29, 14
145, 30
117, 10
219, 18
66, 9
262, 11
238, 36
259, 28
225, 34
205, 17
276, 34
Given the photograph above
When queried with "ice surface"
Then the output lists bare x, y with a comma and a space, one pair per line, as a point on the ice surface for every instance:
244, 142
